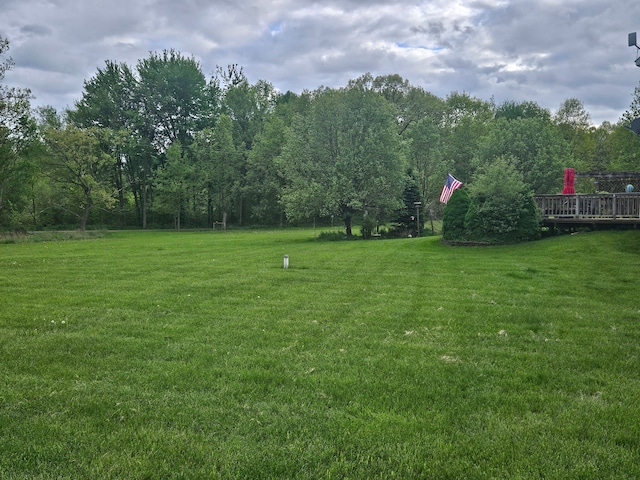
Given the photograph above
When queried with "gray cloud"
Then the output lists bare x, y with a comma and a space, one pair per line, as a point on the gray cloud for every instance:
543, 50
36, 30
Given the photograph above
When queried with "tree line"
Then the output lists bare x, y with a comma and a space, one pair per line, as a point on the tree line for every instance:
159, 144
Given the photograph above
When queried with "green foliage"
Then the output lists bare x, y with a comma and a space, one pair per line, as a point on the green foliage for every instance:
424, 152
623, 149
76, 162
498, 208
52, 236
333, 236
511, 110
110, 99
249, 106
164, 100
368, 227
170, 91
406, 223
502, 208
219, 166
466, 122
453, 226
574, 123
173, 184
17, 140
535, 146
634, 109
265, 178
344, 158
572, 116
271, 158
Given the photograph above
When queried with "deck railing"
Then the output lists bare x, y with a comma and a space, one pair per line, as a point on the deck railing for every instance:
597, 206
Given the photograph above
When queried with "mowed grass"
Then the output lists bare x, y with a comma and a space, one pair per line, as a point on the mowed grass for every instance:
196, 355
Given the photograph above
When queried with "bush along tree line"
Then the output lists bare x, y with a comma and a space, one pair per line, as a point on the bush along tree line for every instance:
498, 208
161, 145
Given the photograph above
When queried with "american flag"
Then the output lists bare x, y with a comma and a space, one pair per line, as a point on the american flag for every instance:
449, 186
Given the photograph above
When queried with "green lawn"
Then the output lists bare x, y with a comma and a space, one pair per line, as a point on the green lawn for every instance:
196, 355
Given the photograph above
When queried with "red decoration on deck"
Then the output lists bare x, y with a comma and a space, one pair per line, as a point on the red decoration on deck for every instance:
569, 179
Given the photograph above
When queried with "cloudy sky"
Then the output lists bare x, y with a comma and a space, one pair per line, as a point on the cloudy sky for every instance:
539, 50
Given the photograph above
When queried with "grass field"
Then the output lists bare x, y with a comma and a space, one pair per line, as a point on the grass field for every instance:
196, 355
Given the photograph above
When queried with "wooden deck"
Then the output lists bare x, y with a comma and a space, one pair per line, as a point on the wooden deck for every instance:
590, 209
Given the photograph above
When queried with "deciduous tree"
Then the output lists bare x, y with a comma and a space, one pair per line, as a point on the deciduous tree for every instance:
76, 162
345, 158
574, 123
16, 137
428, 167
218, 169
173, 182
536, 147
466, 121
265, 178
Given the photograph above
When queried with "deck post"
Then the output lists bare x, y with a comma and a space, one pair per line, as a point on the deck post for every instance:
577, 206
613, 206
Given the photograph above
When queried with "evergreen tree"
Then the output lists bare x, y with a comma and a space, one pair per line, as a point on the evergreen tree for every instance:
406, 222
454, 215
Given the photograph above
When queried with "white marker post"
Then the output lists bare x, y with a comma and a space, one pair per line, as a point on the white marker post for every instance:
286, 261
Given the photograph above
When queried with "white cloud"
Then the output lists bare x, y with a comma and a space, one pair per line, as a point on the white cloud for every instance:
544, 51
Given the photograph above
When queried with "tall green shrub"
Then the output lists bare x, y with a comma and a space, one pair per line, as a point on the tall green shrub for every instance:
454, 215
502, 208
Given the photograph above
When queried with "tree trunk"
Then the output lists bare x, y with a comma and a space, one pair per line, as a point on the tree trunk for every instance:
347, 225
121, 193
34, 215
85, 213
144, 202
210, 217
433, 231
136, 202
